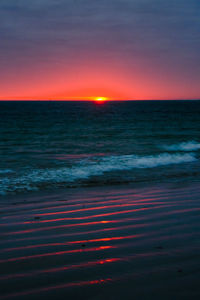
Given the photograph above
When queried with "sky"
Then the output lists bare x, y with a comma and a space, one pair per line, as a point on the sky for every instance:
83, 49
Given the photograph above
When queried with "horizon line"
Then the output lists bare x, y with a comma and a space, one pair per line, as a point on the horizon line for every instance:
89, 100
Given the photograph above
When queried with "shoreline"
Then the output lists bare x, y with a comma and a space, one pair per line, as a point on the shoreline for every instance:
32, 196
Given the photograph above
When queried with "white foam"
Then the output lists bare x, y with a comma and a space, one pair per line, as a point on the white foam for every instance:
86, 169
184, 146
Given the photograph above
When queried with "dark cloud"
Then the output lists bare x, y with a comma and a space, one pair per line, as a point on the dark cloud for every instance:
129, 21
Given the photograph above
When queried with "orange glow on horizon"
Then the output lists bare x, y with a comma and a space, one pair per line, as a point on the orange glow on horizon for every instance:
98, 81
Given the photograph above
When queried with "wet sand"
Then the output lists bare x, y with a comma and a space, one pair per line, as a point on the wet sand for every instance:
106, 243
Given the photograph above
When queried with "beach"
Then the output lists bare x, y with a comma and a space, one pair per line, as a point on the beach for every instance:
132, 242
99, 201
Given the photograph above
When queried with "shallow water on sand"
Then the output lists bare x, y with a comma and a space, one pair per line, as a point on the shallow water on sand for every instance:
101, 244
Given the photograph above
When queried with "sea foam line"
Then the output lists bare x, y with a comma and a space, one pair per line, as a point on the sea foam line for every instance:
87, 168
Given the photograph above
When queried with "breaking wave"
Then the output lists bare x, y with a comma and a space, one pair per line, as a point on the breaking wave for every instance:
184, 146
84, 170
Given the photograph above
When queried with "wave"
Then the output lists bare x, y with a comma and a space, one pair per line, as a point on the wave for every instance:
6, 171
184, 146
86, 169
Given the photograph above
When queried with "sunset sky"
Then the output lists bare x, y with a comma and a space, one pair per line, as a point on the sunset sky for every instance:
83, 49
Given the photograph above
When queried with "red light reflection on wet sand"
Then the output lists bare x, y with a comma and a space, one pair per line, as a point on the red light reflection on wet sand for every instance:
56, 253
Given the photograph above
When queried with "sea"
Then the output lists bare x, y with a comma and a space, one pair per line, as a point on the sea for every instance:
48, 145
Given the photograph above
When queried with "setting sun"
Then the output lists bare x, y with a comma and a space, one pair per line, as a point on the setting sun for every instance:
100, 99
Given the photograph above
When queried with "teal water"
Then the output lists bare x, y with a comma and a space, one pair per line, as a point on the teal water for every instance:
48, 145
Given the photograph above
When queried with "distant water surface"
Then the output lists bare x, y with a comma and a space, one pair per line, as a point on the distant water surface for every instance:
47, 145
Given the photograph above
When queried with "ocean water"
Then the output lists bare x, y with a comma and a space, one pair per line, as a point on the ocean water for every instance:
50, 145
